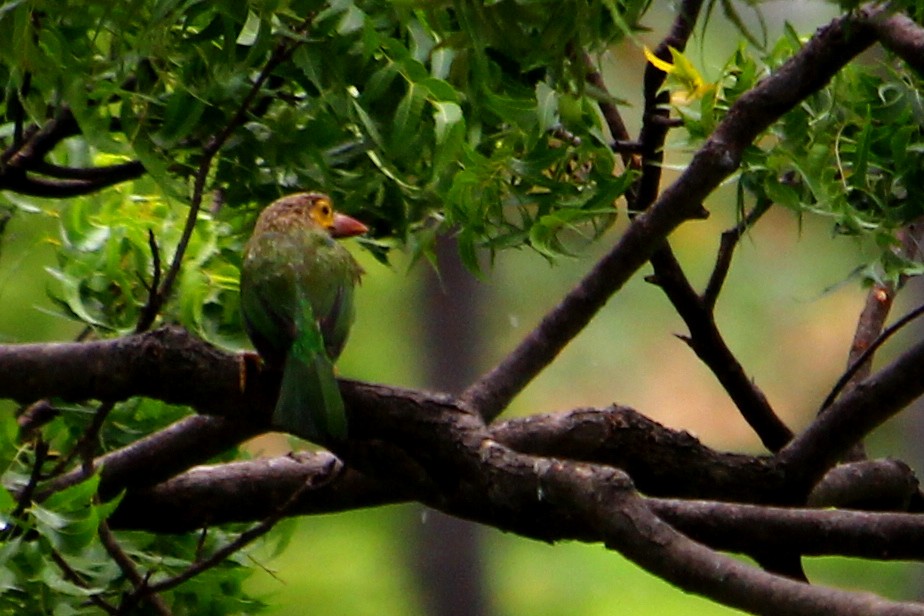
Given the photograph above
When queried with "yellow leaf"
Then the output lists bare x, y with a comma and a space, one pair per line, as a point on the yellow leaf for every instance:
667, 67
682, 72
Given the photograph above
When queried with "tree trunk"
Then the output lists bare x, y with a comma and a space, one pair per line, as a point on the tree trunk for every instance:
448, 554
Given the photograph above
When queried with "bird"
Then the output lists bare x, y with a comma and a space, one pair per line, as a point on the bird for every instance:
296, 293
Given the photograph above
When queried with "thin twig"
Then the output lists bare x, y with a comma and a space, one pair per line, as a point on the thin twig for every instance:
110, 174
610, 111
25, 497
880, 299
128, 567
727, 244
86, 446
867, 354
869, 334
18, 181
75, 578
18, 111
850, 418
247, 536
149, 312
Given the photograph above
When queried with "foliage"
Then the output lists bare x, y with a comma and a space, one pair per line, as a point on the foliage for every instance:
852, 152
52, 559
395, 110
425, 117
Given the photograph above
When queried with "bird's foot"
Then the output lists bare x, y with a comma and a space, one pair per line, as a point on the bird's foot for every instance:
248, 362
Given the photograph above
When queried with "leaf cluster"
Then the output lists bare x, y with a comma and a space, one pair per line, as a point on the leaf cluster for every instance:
852, 152
413, 114
105, 259
53, 563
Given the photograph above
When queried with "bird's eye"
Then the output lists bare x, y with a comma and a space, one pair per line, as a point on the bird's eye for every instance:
323, 209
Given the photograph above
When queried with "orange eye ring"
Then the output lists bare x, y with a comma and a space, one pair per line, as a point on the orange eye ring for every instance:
323, 212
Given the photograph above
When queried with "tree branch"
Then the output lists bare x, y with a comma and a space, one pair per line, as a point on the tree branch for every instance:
727, 244
902, 36
178, 447
605, 501
440, 454
806, 72
749, 529
170, 365
253, 489
656, 112
709, 345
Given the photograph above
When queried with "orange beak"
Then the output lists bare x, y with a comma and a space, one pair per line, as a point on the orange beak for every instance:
347, 226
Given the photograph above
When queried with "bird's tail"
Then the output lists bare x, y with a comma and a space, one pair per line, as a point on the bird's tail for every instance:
309, 404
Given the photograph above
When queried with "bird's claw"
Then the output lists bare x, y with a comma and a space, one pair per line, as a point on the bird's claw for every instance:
248, 362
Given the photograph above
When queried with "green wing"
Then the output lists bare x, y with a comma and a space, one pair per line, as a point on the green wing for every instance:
309, 404
297, 304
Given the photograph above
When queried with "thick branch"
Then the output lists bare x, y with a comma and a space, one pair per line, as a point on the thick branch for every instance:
750, 529
178, 447
555, 500
902, 36
438, 452
251, 490
170, 365
248, 491
605, 501
660, 461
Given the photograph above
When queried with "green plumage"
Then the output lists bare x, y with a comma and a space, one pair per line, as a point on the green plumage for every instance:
297, 286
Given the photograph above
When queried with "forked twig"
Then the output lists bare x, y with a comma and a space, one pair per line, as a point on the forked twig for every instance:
727, 244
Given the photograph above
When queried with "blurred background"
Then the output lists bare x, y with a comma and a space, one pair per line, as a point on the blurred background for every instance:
789, 310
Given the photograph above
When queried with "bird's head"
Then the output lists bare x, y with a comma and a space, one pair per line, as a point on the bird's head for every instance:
308, 210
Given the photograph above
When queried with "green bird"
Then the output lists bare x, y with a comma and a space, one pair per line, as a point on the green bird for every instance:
297, 303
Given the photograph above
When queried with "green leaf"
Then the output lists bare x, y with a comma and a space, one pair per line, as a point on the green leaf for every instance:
77, 495
468, 253
407, 114
546, 106
54, 579
70, 296
181, 115
249, 31
446, 116
351, 21
368, 123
